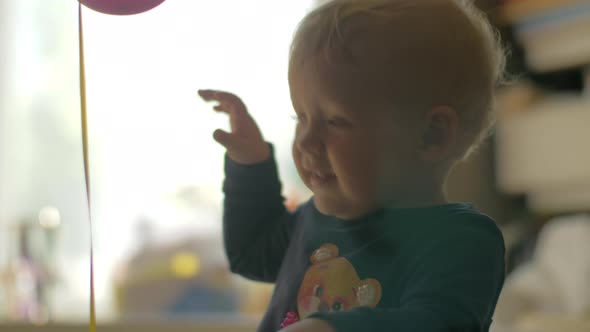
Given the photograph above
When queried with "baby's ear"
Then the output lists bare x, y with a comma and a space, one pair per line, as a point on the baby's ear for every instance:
440, 133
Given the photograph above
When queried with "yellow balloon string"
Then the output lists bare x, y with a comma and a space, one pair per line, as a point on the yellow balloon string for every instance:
86, 164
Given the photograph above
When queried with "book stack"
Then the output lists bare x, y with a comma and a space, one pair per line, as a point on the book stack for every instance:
554, 33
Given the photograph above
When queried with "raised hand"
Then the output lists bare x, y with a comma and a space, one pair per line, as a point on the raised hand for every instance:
244, 144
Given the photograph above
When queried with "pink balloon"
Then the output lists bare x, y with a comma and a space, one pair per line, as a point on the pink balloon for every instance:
121, 7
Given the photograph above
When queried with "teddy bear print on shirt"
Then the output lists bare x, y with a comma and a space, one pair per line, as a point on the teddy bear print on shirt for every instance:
332, 284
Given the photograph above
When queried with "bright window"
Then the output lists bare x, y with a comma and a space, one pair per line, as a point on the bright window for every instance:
156, 173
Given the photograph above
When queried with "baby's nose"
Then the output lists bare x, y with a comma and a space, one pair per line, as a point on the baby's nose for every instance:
309, 141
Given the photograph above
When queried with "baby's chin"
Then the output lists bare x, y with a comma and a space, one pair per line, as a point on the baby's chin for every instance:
337, 208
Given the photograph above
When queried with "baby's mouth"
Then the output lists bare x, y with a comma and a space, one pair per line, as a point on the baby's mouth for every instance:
320, 178
322, 175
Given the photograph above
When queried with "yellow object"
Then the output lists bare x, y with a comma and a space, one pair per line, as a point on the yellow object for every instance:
185, 265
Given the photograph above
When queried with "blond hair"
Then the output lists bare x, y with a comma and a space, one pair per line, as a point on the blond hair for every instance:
420, 53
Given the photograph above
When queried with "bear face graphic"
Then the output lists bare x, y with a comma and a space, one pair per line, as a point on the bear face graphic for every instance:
332, 284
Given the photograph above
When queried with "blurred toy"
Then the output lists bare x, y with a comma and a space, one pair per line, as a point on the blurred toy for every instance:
557, 280
186, 277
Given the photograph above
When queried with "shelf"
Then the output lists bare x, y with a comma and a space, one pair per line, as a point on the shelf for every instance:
545, 152
559, 47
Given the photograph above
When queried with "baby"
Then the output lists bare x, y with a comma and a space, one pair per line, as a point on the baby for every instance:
389, 95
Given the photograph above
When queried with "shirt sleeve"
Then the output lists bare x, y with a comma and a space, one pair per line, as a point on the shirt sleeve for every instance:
256, 224
454, 286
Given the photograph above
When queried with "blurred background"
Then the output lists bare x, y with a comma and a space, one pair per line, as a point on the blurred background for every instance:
156, 173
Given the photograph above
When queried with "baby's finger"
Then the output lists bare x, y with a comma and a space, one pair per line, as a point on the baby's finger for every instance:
227, 108
220, 108
224, 138
231, 107
213, 95
228, 97
209, 95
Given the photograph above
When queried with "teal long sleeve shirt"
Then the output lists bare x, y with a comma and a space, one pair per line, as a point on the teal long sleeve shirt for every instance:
431, 269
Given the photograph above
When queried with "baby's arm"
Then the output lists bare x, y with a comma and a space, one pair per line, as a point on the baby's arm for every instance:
256, 224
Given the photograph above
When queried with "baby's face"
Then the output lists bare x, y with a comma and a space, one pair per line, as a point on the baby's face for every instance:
351, 153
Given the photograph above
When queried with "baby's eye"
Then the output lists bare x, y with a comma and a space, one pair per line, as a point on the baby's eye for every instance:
338, 122
297, 117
